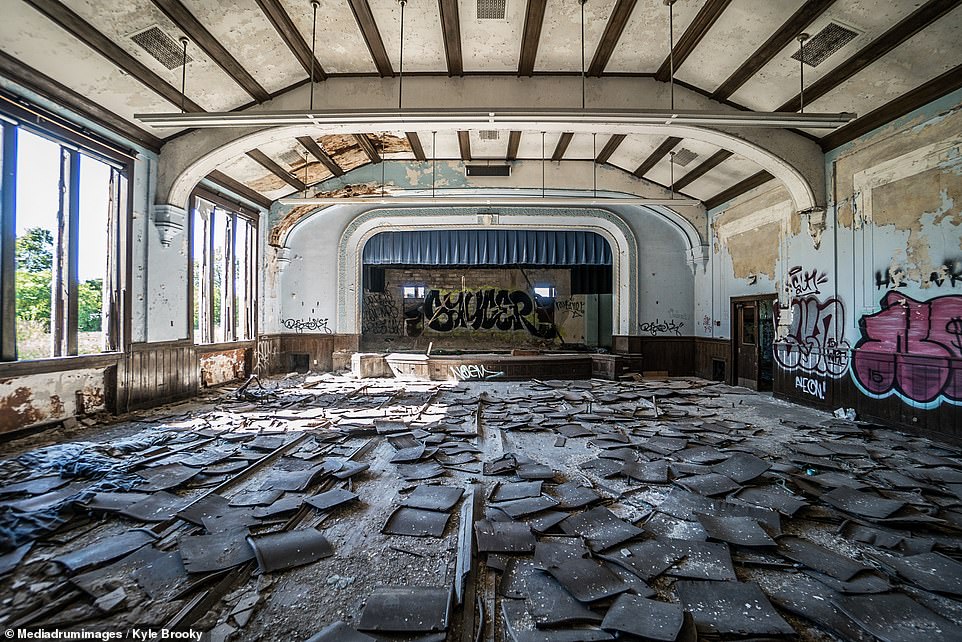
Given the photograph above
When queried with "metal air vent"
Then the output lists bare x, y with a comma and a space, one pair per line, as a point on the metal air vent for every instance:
825, 43
492, 9
161, 46
489, 134
684, 156
487, 170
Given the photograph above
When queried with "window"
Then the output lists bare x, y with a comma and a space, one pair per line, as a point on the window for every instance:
63, 265
222, 265
414, 291
544, 291
748, 325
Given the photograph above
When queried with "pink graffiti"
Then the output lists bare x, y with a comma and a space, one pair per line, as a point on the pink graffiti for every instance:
814, 343
912, 347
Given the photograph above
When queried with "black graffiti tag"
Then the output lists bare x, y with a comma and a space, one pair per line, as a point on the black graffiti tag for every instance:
656, 326
483, 310
307, 325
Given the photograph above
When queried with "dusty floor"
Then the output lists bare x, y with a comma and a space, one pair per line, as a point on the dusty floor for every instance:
664, 521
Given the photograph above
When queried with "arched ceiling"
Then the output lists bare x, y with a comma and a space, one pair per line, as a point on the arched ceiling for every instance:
85, 54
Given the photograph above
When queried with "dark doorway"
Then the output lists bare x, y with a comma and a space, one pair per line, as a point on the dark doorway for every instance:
752, 333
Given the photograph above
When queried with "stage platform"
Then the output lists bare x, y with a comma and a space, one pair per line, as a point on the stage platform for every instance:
511, 367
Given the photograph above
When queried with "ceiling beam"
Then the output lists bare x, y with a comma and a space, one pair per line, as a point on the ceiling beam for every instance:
610, 147
699, 27
609, 39
464, 144
785, 35
415, 142
895, 36
267, 163
371, 35
451, 27
52, 90
736, 190
318, 152
932, 90
367, 147
220, 178
662, 151
193, 29
695, 173
533, 20
291, 36
563, 141
106, 47
514, 141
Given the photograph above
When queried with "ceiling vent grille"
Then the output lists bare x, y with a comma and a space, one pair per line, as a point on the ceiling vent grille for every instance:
684, 156
489, 134
161, 46
825, 43
492, 9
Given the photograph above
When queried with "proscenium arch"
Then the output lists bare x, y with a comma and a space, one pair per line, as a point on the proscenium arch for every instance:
620, 237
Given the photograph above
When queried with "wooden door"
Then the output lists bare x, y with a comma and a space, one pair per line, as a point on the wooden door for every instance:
745, 344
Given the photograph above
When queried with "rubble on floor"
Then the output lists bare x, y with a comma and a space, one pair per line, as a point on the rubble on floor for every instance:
330, 508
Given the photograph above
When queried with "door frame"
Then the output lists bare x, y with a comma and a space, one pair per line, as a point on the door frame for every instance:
735, 332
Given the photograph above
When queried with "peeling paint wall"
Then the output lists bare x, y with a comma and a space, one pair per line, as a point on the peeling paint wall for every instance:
222, 366
40, 398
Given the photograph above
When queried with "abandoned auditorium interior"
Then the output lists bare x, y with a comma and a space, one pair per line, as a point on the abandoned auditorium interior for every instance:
481, 320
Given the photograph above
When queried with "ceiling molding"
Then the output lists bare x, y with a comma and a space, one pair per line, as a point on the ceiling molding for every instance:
666, 146
736, 190
563, 141
318, 152
610, 147
367, 147
415, 142
268, 163
220, 178
451, 28
38, 83
786, 35
106, 47
372, 37
699, 27
291, 36
514, 141
932, 90
193, 29
709, 164
905, 29
609, 39
533, 21
464, 144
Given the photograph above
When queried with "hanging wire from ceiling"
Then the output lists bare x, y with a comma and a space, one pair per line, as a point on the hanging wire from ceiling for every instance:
183, 78
314, 5
802, 37
400, 78
671, 173
542, 165
306, 178
671, 51
434, 161
594, 163
383, 163
583, 2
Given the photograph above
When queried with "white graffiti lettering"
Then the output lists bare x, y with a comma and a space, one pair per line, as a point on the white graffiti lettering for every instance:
474, 373
811, 386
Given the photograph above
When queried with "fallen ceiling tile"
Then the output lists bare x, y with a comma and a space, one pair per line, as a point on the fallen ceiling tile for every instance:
587, 580
413, 609
731, 608
895, 617
216, 552
416, 522
439, 498
287, 549
649, 619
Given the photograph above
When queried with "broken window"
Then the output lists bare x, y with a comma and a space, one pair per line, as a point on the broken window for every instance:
222, 263
61, 223
414, 291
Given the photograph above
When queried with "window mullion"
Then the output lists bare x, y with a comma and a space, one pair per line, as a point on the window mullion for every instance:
57, 304
72, 278
8, 236
230, 251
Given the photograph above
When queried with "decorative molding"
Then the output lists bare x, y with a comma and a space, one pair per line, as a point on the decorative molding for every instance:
169, 222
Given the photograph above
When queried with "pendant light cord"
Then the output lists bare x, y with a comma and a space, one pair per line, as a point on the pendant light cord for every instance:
400, 80
314, 4
183, 78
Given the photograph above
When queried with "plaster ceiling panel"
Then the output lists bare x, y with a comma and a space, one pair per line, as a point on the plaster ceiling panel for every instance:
742, 28
634, 150
289, 154
253, 175
559, 48
340, 45
427, 143
447, 145
778, 81
392, 145
643, 45
661, 172
732, 170
244, 31
530, 146
491, 45
580, 147
344, 150
423, 38
35, 41
926, 55
207, 84
489, 143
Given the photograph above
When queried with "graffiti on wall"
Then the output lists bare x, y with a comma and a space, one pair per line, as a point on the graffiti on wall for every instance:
380, 314
474, 373
307, 325
665, 327
948, 274
573, 307
810, 386
814, 343
485, 309
912, 349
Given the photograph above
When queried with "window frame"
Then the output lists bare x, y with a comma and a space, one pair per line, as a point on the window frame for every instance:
205, 323
423, 289
14, 118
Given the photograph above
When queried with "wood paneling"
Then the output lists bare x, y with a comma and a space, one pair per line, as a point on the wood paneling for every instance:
707, 351
157, 373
